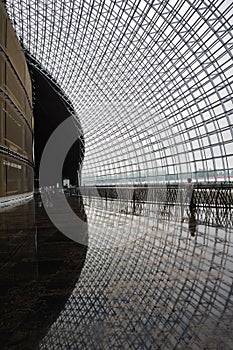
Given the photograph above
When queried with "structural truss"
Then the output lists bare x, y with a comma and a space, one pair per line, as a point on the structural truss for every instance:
150, 81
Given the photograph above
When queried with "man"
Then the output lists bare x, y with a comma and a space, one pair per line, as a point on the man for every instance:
188, 197
189, 191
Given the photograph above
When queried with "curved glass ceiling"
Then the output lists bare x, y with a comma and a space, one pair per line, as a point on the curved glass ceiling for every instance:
151, 82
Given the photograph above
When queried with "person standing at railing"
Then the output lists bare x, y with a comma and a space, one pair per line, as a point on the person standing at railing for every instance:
134, 201
189, 192
188, 197
106, 198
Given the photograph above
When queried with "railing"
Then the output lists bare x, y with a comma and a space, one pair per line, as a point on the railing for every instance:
210, 204
210, 195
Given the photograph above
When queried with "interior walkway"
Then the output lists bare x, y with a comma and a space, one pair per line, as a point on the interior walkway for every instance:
148, 280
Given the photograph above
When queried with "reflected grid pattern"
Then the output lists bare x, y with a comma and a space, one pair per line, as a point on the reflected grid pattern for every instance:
165, 290
150, 81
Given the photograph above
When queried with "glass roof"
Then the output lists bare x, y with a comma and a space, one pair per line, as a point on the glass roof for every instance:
151, 82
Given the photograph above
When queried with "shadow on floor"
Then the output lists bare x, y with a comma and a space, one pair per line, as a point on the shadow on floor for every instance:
39, 268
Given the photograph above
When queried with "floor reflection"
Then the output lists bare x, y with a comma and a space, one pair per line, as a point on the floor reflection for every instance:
39, 269
150, 281
153, 278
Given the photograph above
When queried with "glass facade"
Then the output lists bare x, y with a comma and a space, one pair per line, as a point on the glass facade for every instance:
152, 265
151, 82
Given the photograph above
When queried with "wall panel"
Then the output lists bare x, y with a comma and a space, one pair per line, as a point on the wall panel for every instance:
16, 168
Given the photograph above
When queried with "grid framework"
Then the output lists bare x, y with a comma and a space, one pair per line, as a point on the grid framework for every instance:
150, 81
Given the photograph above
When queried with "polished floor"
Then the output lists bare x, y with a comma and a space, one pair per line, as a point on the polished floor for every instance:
152, 278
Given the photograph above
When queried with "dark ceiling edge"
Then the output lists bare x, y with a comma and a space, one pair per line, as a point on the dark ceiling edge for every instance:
48, 116
31, 61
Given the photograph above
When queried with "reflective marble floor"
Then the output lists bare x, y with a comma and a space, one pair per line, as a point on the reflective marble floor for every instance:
159, 278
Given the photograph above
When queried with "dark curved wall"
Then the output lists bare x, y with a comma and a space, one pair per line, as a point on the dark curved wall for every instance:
49, 111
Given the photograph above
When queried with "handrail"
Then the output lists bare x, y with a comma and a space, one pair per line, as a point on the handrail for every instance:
206, 195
